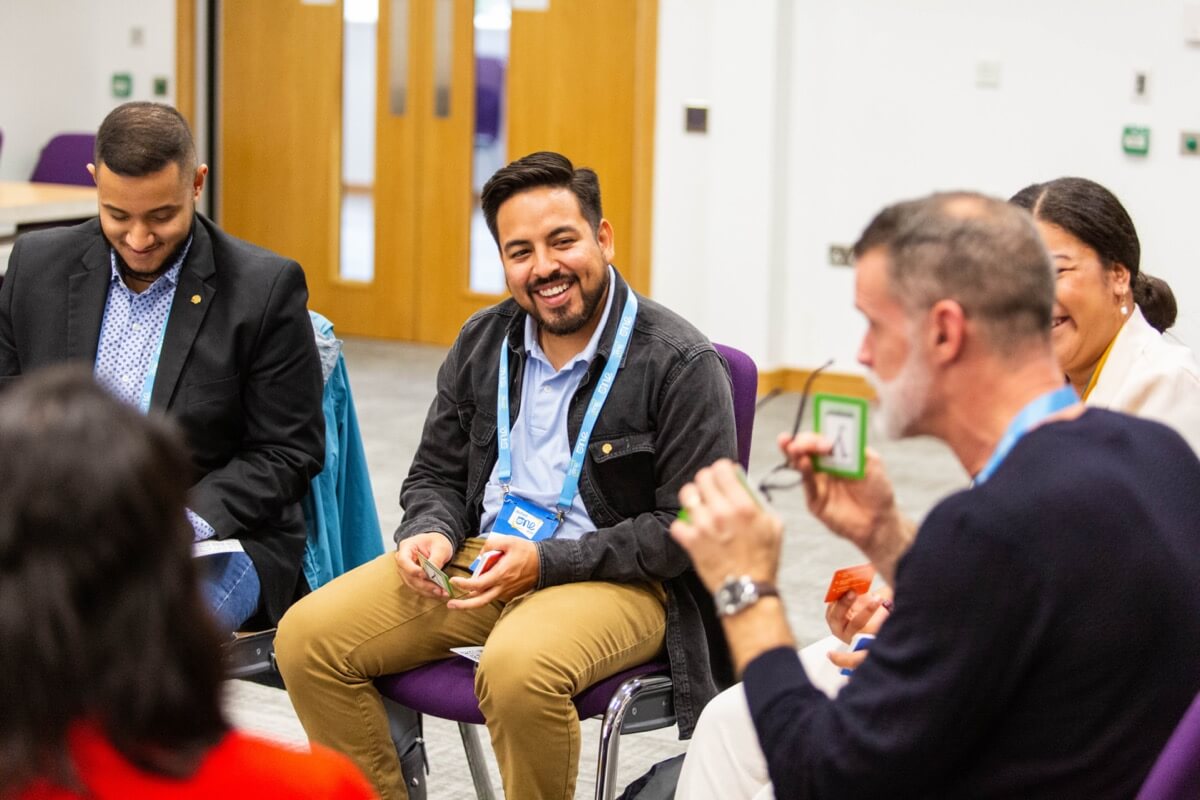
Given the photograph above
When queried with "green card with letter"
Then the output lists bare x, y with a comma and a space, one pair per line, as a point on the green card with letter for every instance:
843, 420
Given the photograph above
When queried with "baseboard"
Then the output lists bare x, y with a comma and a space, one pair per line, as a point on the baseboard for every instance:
792, 380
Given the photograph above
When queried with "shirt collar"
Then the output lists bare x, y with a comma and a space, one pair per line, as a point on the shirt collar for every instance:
171, 276
586, 354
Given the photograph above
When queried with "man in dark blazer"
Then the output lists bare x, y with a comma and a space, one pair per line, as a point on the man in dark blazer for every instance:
177, 317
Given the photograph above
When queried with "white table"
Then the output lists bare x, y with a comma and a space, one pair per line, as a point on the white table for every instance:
24, 203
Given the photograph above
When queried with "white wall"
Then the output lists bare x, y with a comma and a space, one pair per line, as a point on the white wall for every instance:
56, 63
713, 254
882, 104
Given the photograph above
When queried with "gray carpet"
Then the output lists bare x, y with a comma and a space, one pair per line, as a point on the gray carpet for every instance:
393, 384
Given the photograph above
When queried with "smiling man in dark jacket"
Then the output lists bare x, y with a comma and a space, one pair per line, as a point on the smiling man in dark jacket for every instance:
588, 582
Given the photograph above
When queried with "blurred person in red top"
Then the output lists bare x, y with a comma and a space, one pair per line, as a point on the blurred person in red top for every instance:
111, 665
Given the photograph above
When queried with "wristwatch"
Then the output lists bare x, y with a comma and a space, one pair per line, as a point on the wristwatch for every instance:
738, 594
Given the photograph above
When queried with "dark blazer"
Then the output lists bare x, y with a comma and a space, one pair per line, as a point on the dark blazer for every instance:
239, 373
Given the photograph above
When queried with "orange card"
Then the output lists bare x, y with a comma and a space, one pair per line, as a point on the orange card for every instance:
857, 578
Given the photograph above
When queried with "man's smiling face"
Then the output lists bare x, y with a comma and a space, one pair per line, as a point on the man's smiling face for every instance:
555, 266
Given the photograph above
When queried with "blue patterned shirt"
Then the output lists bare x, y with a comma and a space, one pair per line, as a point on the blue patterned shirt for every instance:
129, 335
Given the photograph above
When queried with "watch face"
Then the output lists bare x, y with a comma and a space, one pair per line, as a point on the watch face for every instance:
734, 595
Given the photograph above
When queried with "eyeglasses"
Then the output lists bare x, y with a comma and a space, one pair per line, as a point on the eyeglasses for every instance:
774, 481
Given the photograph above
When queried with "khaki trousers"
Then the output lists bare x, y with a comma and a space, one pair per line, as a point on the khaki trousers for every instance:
541, 650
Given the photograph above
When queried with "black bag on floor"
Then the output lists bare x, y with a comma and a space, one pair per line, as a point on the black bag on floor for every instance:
657, 784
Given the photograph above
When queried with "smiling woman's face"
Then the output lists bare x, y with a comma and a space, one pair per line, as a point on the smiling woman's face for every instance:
1087, 302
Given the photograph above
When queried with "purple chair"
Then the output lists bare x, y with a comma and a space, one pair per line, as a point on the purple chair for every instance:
636, 700
1176, 773
489, 95
64, 159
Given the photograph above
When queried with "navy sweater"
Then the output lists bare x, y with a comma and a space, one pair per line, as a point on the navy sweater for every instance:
1045, 642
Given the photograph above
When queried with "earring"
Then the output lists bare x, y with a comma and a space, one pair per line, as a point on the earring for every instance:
1124, 310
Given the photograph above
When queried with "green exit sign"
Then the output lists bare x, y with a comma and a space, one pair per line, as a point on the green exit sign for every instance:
1135, 141
122, 84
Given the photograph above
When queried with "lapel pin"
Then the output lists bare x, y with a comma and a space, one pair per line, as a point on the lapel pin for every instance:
195, 299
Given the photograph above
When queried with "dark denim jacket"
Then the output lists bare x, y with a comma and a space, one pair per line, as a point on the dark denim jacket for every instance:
670, 412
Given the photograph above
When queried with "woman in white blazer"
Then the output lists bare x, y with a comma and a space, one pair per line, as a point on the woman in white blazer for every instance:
1109, 316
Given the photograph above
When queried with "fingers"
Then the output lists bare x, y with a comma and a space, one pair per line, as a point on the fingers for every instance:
860, 615
436, 548
474, 598
800, 449
406, 561
850, 661
838, 612
422, 585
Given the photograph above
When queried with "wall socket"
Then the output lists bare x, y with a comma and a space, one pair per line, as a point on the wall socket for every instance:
841, 255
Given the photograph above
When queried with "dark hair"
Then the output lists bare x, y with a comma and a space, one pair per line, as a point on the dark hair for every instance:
100, 616
534, 171
141, 138
980, 252
1094, 216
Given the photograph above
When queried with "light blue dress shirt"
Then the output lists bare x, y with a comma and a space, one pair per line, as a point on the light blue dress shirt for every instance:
540, 448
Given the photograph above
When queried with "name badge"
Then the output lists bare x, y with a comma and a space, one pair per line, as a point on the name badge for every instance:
521, 517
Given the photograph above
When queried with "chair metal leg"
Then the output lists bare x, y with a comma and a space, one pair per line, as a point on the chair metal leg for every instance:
476, 761
614, 722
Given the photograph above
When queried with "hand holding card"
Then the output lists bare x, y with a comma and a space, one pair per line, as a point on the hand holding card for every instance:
857, 578
438, 577
485, 561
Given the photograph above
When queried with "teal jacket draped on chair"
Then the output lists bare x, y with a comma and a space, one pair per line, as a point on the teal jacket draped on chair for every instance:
339, 511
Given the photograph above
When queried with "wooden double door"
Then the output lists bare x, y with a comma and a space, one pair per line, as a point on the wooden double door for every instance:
579, 79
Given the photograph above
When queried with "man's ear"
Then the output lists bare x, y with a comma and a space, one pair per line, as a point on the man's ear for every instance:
947, 331
198, 181
91, 168
606, 240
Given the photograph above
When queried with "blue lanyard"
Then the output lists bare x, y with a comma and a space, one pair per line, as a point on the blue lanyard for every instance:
152, 370
599, 395
1026, 420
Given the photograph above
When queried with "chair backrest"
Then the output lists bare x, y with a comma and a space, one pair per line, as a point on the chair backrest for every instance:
489, 93
744, 375
1176, 773
64, 159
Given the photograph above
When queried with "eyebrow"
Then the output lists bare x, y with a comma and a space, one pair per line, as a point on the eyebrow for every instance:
167, 207
561, 229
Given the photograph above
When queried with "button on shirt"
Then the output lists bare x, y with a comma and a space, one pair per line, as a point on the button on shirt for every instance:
130, 334
541, 451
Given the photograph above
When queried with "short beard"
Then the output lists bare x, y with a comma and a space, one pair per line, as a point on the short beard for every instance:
903, 399
150, 277
562, 322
